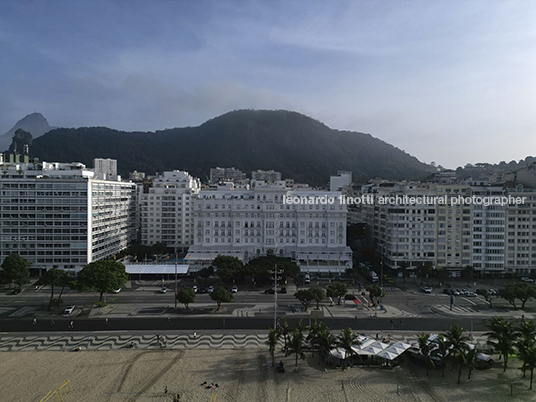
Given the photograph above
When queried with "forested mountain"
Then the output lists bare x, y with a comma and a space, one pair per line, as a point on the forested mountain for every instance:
34, 123
296, 145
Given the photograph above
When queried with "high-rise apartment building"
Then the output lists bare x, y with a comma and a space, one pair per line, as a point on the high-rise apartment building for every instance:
59, 215
226, 174
166, 210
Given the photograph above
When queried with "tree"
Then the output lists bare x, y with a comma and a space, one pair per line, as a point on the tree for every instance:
528, 357
261, 269
104, 276
457, 340
337, 289
67, 278
51, 278
509, 293
221, 295
230, 269
284, 331
525, 334
470, 359
273, 338
326, 341
525, 292
318, 294
424, 346
424, 269
375, 291
441, 351
488, 296
312, 336
441, 274
296, 345
467, 358
206, 272
346, 340
468, 272
16, 269
305, 296
501, 337
404, 265
186, 296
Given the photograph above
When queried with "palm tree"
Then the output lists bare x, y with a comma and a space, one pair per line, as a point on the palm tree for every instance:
424, 346
326, 341
528, 357
526, 333
346, 340
312, 336
284, 331
441, 351
465, 357
470, 359
297, 345
501, 338
273, 338
456, 339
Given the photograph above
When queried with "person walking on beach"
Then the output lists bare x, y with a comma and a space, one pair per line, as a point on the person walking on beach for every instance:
34, 321
165, 391
52, 322
71, 325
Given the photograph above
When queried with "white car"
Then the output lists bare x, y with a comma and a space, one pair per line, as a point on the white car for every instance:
426, 289
117, 290
163, 290
194, 288
526, 279
234, 289
68, 310
210, 289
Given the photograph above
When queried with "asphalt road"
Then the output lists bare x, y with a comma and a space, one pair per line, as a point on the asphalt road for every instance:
229, 323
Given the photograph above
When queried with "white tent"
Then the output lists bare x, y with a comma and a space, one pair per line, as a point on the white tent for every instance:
398, 347
339, 353
388, 355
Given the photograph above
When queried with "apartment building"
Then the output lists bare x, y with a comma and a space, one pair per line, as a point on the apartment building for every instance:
59, 215
308, 226
166, 210
265, 175
226, 174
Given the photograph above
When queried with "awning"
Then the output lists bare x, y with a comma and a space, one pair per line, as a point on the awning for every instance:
162, 269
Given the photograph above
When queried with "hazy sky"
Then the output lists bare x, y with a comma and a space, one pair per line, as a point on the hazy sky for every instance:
451, 82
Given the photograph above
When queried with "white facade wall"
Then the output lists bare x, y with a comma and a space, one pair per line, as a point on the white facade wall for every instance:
166, 210
250, 223
58, 215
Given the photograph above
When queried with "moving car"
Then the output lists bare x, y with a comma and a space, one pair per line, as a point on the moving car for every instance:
269, 292
117, 290
426, 289
194, 288
527, 279
210, 289
163, 290
68, 310
234, 289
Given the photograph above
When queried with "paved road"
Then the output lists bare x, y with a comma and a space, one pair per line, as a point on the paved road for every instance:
229, 323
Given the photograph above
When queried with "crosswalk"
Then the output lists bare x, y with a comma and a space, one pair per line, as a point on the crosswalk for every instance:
407, 314
390, 288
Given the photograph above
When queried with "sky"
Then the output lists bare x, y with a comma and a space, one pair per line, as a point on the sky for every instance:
452, 82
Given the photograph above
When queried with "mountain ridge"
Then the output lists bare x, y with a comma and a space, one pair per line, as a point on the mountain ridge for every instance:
298, 146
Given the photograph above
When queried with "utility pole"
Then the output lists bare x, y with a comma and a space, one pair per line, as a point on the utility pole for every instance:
381, 267
276, 279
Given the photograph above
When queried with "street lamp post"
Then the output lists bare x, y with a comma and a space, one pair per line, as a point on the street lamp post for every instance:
276, 279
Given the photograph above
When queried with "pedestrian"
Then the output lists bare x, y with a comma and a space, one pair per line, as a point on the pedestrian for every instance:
158, 337
169, 319
178, 397
401, 322
71, 325
195, 334
34, 321
165, 391
52, 322
106, 320
167, 344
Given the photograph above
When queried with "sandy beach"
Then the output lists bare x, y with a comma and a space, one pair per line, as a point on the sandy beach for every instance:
242, 375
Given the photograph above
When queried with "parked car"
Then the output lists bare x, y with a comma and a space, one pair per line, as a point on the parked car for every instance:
194, 288
163, 290
269, 292
527, 279
493, 291
234, 289
350, 296
464, 291
68, 310
210, 289
470, 294
447, 291
426, 289
15, 291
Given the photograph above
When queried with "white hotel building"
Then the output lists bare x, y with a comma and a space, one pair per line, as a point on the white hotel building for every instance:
251, 222
59, 215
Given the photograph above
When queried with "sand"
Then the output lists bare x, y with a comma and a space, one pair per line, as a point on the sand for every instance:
242, 375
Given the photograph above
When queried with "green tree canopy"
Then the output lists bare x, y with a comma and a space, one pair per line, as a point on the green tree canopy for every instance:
261, 269
318, 295
230, 269
337, 289
221, 295
186, 296
305, 296
104, 276
54, 277
16, 269
375, 291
